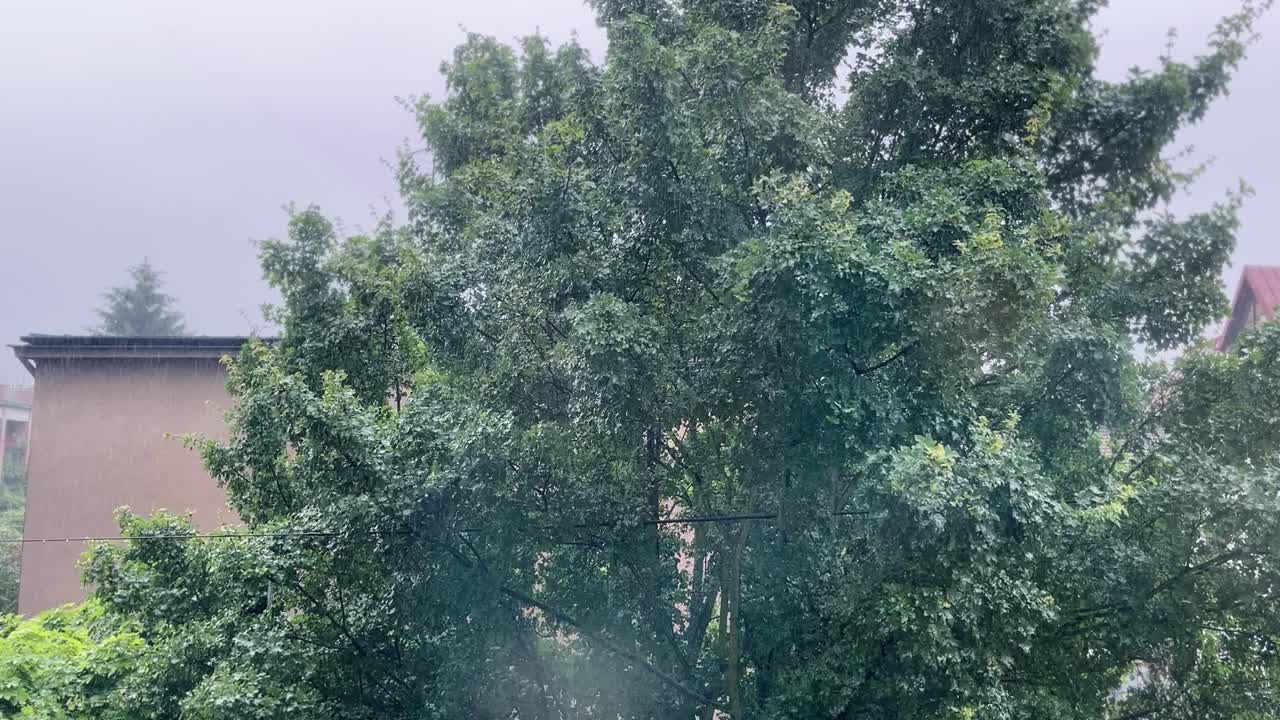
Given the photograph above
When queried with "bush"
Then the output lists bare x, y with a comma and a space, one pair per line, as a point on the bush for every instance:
63, 663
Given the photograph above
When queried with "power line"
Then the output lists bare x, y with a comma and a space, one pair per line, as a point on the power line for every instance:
186, 536
523, 598
692, 520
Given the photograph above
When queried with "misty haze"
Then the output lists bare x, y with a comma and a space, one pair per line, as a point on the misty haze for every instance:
640, 359
143, 129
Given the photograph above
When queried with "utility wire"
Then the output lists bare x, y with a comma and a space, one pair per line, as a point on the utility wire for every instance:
518, 596
189, 536
693, 520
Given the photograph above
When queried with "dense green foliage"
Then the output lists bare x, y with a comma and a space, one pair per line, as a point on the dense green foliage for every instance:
65, 664
895, 326
13, 493
142, 308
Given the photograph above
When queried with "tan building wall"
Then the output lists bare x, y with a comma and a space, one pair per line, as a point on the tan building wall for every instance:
103, 437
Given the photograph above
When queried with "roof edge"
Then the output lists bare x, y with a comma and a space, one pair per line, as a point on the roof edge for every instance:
118, 347
186, 341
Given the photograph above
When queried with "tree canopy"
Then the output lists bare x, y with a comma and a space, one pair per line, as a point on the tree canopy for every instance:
783, 365
142, 308
65, 664
13, 493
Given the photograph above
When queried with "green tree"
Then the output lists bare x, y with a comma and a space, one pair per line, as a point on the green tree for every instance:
141, 309
12, 503
64, 664
13, 495
692, 385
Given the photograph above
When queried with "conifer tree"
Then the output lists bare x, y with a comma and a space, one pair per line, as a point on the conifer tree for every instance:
142, 308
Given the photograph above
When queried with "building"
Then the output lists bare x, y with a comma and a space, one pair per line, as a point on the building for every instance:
15, 428
1257, 299
104, 423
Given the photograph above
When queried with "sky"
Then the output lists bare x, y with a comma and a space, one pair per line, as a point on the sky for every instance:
180, 132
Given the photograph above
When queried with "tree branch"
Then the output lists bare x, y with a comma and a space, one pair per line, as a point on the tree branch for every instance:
858, 370
606, 643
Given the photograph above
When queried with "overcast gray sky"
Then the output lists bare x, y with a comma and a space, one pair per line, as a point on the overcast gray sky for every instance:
179, 131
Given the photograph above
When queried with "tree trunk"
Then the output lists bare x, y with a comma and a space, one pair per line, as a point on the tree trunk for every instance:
731, 602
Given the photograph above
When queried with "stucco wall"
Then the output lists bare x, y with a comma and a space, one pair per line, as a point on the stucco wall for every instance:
98, 442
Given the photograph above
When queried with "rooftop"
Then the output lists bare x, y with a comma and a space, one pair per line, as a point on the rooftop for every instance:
37, 347
1264, 282
1257, 298
16, 397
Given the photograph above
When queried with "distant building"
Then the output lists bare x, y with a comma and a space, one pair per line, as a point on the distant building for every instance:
1256, 301
15, 428
105, 413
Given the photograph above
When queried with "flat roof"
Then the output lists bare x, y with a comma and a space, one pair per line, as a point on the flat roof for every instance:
42, 347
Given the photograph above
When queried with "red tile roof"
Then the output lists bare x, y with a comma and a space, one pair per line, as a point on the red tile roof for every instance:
1265, 283
1260, 286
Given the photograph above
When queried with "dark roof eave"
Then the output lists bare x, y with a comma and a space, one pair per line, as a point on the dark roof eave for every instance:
137, 341
197, 347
